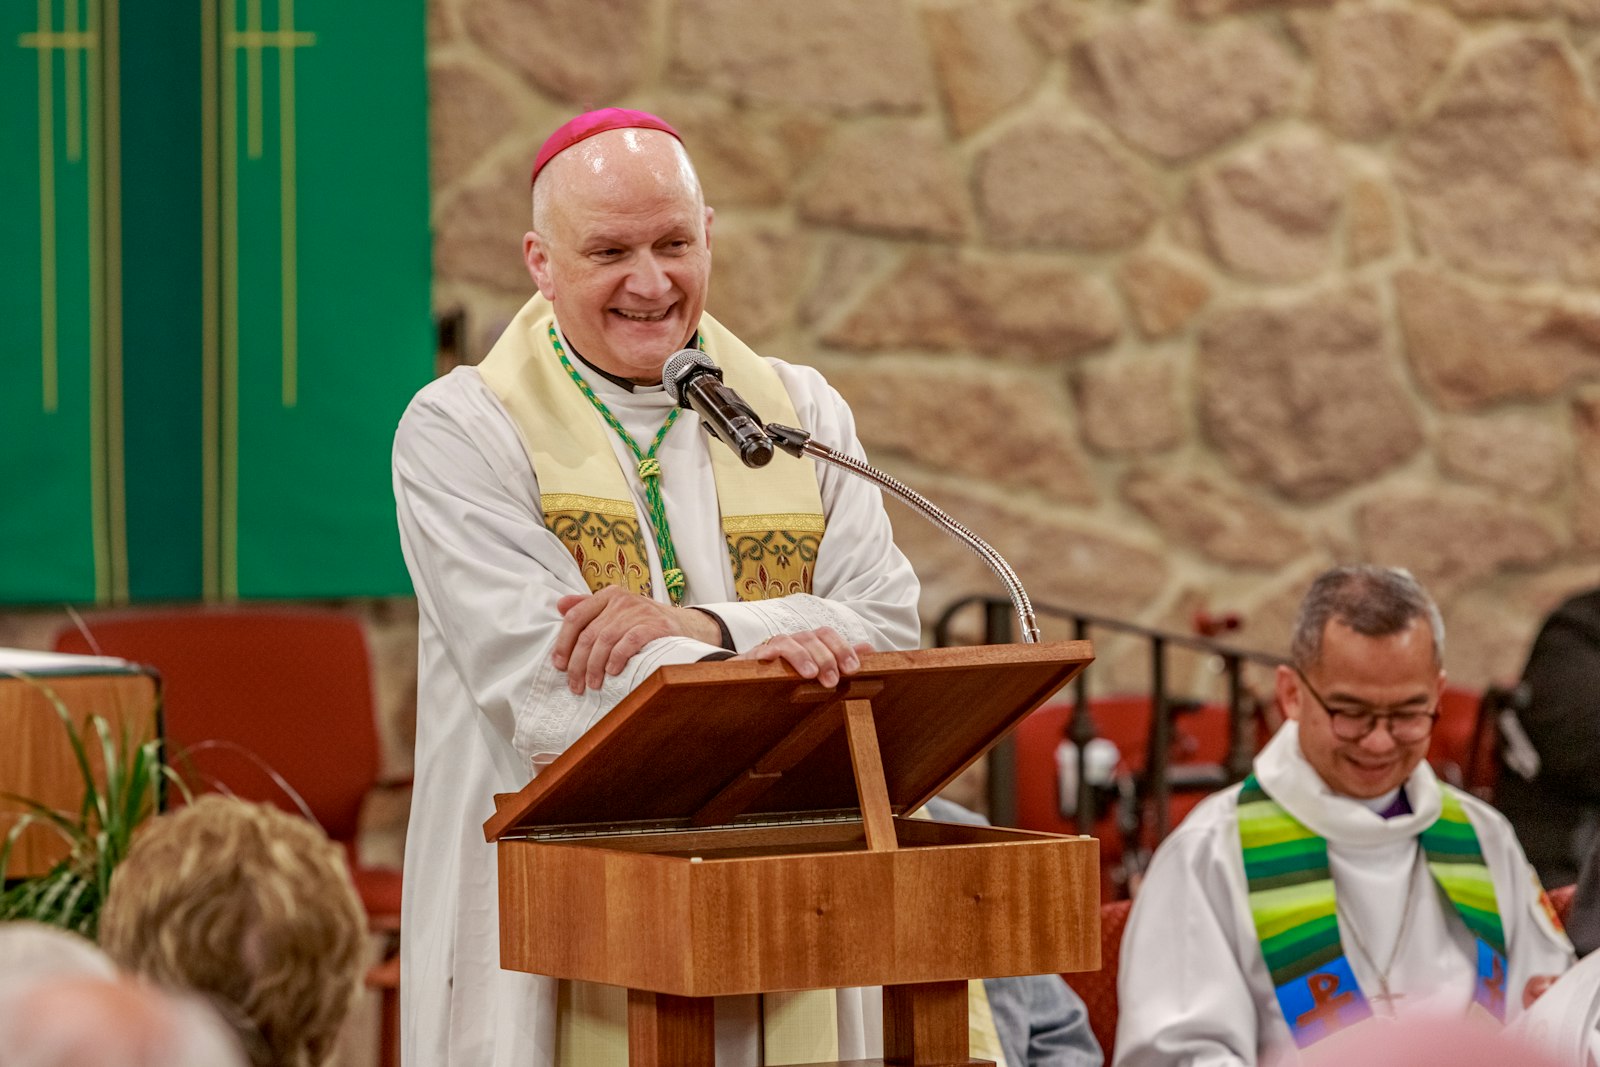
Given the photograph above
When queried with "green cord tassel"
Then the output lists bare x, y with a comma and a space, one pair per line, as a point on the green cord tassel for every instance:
673, 576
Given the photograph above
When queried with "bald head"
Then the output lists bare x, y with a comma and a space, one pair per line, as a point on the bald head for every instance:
621, 246
86, 1021
32, 950
613, 164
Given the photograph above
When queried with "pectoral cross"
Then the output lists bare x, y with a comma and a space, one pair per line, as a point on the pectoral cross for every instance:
1326, 1002
1386, 998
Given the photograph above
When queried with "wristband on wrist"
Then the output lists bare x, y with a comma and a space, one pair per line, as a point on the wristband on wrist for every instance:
726, 638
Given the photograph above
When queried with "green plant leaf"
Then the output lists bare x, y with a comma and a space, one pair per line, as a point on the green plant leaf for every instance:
113, 770
99, 835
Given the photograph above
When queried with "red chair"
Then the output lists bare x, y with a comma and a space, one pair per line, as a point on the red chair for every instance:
1099, 988
1200, 738
1456, 749
273, 705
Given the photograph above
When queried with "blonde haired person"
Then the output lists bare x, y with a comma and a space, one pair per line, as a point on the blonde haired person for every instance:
250, 907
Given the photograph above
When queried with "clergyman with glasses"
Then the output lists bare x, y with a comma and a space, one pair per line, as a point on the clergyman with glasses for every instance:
1341, 883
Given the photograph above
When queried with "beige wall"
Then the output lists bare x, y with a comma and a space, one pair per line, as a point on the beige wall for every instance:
1174, 302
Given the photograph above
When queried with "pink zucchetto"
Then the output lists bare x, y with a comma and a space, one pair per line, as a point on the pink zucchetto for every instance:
590, 123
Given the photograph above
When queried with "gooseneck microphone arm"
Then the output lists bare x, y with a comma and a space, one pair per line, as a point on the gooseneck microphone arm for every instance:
799, 443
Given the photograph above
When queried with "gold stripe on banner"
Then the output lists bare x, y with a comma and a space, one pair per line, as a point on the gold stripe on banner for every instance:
49, 372
210, 329
74, 74
254, 39
252, 76
230, 307
116, 460
98, 476
287, 41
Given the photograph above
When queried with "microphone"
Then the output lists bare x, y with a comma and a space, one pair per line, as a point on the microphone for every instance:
694, 382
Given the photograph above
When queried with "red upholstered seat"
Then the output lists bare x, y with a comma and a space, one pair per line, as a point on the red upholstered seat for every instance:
379, 889
271, 704
1099, 988
1457, 749
1200, 737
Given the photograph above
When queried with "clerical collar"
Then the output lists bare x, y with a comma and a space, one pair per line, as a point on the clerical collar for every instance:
1390, 804
1288, 778
615, 379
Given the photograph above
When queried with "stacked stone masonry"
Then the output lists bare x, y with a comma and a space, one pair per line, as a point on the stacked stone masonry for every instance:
1175, 301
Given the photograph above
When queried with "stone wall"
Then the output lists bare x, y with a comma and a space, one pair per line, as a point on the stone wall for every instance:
1175, 302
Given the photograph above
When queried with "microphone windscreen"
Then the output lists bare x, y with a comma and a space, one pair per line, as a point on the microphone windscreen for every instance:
680, 366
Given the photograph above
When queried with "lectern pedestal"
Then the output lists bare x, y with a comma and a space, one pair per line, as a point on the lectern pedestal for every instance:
731, 828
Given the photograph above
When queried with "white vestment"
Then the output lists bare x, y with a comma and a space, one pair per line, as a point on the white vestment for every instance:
1194, 990
1566, 1020
491, 710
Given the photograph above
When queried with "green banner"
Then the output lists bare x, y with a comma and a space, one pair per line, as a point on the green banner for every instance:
217, 295
55, 524
326, 323
165, 299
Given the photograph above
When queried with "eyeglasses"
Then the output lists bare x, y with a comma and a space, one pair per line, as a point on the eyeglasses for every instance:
1353, 724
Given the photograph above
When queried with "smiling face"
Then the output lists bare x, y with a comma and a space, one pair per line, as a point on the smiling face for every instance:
622, 247
1397, 672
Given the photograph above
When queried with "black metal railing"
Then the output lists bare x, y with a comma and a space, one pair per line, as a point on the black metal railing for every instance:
1156, 780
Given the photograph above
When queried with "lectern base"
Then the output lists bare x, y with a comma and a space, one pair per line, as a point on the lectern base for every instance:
924, 1025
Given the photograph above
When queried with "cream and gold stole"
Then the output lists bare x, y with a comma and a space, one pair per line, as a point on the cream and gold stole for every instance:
773, 522
772, 517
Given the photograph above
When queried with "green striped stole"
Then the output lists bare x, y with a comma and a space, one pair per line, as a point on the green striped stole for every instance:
1456, 861
1293, 906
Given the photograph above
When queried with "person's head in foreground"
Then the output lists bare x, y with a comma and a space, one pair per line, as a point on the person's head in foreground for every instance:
1428, 1041
252, 908
1365, 678
621, 240
32, 951
82, 1020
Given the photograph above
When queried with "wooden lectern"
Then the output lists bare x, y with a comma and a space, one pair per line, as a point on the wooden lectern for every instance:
731, 828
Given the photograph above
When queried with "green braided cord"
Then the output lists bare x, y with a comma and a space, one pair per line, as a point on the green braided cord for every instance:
649, 473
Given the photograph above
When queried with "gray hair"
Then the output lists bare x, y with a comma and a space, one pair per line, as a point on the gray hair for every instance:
1373, 601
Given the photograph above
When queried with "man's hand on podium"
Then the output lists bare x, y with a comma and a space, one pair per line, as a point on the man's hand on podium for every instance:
821, 654
601, 632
